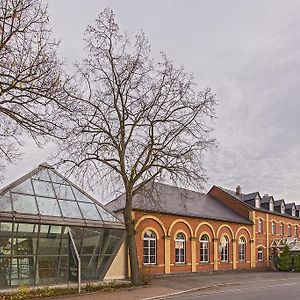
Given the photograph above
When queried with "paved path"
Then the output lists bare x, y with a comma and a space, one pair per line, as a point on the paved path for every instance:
273, 289
205, 286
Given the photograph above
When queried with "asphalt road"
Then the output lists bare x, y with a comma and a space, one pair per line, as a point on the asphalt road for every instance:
276, 289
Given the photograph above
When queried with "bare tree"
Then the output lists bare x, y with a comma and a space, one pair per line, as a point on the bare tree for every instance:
135, 118
30, 75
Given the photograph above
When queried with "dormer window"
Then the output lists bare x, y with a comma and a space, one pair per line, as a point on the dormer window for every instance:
257, 202
271, 205
282, 208
293, 211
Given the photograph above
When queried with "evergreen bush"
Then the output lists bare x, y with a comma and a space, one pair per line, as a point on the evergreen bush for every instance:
285, 260
297, 263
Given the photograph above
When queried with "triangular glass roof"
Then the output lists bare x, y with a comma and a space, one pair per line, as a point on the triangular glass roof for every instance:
46, 193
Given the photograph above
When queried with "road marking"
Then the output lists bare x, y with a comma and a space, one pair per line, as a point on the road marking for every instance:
247, 289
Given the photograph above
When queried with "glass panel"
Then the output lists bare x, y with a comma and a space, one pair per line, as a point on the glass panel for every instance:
24, 188
49, 243
56, 178
6, 226
4, 271
102, 261
111, 238
24, 246
77, 233
70, 209
63, 272
55, 229
43, 188
5, 203
88, 267
5, 239
81, 197
63, 191
25, 239
152, 259
42, 175
27, 228
22, 270
106, 216
24, 204
48, 207
47, 271
89, 211
91, 242
64, 250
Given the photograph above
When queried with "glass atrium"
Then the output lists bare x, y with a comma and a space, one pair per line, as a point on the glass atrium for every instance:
38, 214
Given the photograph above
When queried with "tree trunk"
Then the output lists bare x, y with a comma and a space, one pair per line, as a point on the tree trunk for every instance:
129, 226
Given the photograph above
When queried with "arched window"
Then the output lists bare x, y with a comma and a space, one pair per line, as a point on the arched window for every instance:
281, 229
180, 248
296, 230
260, 254
224, 249
273, 227
242, 249
260, 226
149, 247
289, 230
204, 248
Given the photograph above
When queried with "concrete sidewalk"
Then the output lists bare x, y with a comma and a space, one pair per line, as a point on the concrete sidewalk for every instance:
181, 283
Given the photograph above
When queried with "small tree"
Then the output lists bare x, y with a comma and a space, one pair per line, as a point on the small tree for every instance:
297, 263
30, 75
285, 260
135, 120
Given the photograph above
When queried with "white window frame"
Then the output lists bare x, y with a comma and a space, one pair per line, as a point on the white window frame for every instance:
257, 202
260, 254
180, 246
225, 251
273, 227
289, 230
242, 249
260, 225
293, 211
149, 243
271, 205
282, 208
204, 248
281, 229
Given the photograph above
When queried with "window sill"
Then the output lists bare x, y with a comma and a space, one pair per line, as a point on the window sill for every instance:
180, 264
150, 265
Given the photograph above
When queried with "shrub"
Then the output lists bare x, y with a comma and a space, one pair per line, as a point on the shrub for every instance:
285, 260
297, 263
145, 275
24, 292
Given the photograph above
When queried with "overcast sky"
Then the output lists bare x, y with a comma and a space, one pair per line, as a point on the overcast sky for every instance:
248, 52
